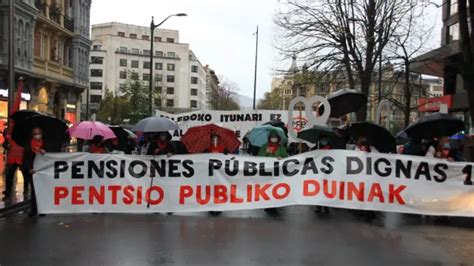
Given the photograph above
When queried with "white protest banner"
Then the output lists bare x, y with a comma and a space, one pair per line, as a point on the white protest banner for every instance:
241, 121
81, 183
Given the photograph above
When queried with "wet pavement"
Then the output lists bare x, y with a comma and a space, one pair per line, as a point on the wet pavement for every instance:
297, 236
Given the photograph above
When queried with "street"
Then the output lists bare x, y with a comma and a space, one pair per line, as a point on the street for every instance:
297, 236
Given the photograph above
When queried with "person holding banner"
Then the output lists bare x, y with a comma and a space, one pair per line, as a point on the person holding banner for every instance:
14, 162
273, 148
362, 144
98, 145
216, 146
323, 144
161, 145
36, 146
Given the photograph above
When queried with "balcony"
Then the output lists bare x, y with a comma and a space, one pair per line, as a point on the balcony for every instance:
55, 13
53, 69
41, 6
69, 23
141, 53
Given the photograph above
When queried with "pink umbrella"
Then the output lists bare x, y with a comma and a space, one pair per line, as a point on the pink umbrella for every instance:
88, 129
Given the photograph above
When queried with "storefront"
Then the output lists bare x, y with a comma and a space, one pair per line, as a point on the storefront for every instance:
25, 98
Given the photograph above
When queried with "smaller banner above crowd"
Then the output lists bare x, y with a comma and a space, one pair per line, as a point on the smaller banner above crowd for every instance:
84, 183
240, 121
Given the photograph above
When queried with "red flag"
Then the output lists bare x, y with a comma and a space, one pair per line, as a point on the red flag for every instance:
16, 105
17, 102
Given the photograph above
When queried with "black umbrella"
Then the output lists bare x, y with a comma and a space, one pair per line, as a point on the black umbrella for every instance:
402, 135
23, 114
278, 123
377, 135
313, 134
344, 102
54, 132
435, 125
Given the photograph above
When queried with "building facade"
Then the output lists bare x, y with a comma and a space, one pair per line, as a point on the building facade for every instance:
444, 62
118, 50
304, 83
51, 52
212, 82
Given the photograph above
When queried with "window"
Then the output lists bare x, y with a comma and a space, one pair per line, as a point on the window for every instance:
453, 7
121, 34
453, 32
146, 76
171, 54
194, 92
133, 36
159, 66
146, 64
169, 103
159, 77
146, 52
170, 90
194, 69
44, 46
96, 85
170, 67
170, 78
158, 89
122, 86
159, 53
123, 49
135, 63
96, 72
123, 74
157, 39
135, 51
194, 80
96, 47
123, 62
145, 37
170, 40
97, 60
96, 98
194, 104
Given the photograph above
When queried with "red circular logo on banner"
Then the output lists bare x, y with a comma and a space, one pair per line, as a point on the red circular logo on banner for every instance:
298, 123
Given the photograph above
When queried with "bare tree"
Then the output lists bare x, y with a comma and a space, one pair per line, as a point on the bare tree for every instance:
224, 96
466, 24
408, 42
329, 34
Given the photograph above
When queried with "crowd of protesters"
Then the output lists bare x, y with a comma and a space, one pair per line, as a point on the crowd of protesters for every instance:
216, 140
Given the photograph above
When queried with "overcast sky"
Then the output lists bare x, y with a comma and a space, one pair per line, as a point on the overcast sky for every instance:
220, 32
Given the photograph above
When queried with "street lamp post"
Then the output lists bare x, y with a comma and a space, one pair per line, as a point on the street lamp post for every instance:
150, 84
255, 74
11, 55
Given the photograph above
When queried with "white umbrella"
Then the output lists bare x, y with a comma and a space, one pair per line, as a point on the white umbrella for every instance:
155, 124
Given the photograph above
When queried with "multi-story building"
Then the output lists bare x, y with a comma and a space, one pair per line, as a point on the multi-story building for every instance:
121, 49
52, 52
444, 62
24, 25
307, 84
212, 82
